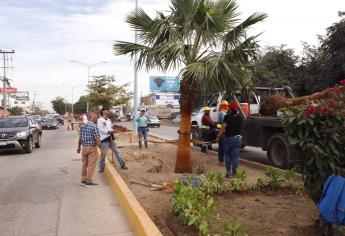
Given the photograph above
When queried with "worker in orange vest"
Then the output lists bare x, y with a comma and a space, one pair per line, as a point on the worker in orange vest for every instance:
207, 126
223, 110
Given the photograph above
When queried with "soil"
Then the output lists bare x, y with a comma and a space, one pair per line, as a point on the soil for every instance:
259, 213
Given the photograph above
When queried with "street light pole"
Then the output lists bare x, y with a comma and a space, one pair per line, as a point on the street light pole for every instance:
88, 78
135, 108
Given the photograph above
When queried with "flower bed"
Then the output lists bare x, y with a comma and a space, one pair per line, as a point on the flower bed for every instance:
263, 212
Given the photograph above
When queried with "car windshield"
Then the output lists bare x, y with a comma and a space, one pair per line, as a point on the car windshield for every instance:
11, 122
48, 120
153, 117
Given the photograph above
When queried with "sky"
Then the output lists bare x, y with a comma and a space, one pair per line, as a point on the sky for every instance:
47, 34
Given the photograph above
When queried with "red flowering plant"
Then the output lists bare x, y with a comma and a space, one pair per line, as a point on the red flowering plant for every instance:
317, 128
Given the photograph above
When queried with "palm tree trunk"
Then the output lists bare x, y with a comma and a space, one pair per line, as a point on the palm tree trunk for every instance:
183, 158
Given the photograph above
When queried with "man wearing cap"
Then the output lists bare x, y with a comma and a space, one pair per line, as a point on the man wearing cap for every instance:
207, 124
108, 140
142, 128
223, 110
231, 130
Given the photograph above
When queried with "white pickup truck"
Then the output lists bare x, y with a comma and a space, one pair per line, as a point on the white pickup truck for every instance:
258, 131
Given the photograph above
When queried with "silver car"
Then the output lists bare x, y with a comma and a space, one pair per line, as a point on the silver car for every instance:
153, 121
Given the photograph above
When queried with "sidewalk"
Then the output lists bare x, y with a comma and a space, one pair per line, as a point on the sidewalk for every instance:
89, 211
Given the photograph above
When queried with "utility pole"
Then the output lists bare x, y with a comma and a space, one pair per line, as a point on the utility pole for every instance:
135, 108
33, 102
5, 80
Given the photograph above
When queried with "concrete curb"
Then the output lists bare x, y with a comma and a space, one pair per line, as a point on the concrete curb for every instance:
140, 221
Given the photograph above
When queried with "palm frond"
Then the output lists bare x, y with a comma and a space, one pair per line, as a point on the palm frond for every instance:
232, 37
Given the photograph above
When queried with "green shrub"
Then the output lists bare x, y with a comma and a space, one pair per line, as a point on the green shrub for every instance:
317, 129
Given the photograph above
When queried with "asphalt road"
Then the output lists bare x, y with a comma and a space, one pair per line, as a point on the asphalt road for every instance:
40, 193
170, 132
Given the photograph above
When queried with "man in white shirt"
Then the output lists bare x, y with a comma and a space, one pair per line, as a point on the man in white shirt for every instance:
108, 140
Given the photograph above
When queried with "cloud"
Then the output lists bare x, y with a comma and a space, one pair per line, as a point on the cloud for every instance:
46, 35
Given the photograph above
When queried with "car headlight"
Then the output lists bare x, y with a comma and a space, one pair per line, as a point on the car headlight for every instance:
22, 134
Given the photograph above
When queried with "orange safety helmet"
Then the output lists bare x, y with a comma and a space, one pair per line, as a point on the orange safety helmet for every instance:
224, 105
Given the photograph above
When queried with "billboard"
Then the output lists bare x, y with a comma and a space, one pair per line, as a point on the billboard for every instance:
22, 96
8, 90
165, 83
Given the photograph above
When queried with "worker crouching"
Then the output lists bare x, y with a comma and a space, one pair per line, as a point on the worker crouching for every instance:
207, 128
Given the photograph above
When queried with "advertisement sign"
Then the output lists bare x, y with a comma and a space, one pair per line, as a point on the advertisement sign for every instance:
22, 96
8, 90
165, 83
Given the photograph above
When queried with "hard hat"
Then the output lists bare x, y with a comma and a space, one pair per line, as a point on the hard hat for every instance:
233, 105
224, 102
207, 109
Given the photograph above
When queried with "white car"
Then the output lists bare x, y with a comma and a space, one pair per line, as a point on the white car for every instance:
153, 121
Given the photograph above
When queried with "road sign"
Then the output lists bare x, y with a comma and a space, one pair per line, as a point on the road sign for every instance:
8, 90
22, 96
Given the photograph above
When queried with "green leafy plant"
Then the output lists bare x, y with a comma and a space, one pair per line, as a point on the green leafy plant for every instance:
232, 228
238, 182
275, 179
212, 182
316, 127
193, 206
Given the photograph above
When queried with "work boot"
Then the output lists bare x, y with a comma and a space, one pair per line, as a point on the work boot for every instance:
146, 146
140, 144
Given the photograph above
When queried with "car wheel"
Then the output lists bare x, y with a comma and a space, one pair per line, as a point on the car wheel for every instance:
38, 144
29, 145
158, 126
280, 154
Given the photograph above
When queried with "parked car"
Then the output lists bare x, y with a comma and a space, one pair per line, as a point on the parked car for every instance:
37, 118
49, 123
19, 133
59, 119
153, 121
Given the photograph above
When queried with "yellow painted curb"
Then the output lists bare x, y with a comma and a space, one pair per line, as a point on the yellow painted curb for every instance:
138, 218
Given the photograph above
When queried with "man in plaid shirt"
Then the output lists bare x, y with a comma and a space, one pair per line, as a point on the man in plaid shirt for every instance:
89, 139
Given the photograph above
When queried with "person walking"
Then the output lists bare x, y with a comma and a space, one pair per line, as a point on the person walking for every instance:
223, 110
88, 140
207, 125
231, 129
142, 128
108, 140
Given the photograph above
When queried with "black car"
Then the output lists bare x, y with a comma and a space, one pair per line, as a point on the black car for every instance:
19, 133
59, 119
49, 123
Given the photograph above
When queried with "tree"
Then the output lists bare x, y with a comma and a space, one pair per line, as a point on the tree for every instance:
103, 92
206, 40
16, 111
80, 106
59, 105
276, 67
333, 47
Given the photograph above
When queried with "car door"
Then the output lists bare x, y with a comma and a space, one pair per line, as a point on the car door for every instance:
33, 130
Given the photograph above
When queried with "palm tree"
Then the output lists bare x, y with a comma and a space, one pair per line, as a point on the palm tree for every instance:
206, 41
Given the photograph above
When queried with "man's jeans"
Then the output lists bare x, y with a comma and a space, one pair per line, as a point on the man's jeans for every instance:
142, 132
206, 137
232, 146
115, 149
